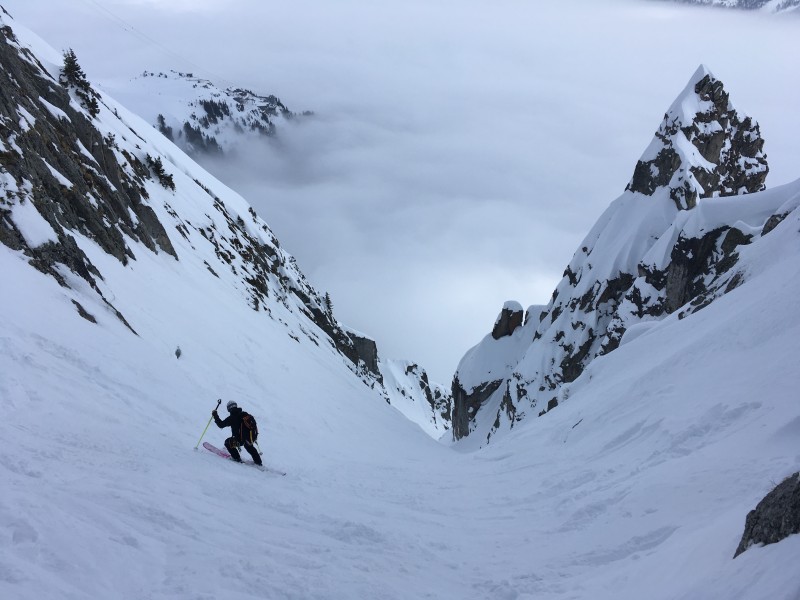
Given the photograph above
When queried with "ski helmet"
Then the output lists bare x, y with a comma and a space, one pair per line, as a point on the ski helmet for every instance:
231, 404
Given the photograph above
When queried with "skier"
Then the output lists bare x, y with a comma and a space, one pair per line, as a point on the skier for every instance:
242, 435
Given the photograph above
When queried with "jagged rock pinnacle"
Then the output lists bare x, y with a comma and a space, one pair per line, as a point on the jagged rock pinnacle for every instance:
703, 148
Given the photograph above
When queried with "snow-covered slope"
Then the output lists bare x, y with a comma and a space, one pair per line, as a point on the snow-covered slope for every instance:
636, 487
207, 122
670, 239
85, 179
197, 115
422, 401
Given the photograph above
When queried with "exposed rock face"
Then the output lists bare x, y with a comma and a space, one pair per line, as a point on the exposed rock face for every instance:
704, 151
78, 180
699, 270
467, 404
776, 517
649, 255
507, 322
367, 352
74, 174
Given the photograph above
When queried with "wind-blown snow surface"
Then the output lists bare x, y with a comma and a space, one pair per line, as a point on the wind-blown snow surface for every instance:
637, 486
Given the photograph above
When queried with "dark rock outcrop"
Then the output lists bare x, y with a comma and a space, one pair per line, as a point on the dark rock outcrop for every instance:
775, 518
731, 147
466, 405
366, 351
56, 159
507, 322
441, 403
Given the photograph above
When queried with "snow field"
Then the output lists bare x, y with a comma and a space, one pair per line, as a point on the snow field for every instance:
636, 486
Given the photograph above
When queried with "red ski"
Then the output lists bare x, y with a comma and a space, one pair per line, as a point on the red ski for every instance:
226, 454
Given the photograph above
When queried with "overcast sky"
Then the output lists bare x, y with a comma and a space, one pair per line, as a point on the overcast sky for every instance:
461, 148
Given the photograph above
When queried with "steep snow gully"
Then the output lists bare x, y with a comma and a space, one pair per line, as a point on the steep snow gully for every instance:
636, 487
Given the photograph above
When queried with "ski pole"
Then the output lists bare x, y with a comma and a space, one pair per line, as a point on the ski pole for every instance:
209, 423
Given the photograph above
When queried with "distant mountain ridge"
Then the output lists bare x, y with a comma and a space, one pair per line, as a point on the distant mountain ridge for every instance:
200, 117
668, 245
772, 6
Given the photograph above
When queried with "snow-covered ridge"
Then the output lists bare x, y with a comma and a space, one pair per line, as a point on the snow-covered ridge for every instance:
668, 245
197, 115
82, 178
769, 6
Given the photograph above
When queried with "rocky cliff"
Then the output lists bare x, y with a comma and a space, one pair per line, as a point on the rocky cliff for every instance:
82, 179
667, 245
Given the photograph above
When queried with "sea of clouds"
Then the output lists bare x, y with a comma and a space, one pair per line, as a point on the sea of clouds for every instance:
459, 150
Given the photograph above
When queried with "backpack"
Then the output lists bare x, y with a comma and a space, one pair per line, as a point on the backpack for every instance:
249, 427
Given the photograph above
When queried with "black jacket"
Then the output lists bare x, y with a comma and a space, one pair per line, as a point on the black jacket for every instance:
234, 421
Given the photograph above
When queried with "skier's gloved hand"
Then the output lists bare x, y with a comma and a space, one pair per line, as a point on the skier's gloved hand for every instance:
214, 413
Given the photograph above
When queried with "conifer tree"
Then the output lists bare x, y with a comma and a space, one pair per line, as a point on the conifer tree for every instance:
157, 166
165, 129
72, 75
72, 71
